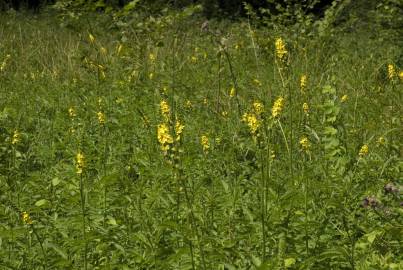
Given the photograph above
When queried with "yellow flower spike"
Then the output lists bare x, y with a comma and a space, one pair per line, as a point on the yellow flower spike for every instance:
305, 107
232, 92
164, 138
204, 140
16, 137
253, 123
303, 82
4, 64
152, 57
72, 112
391, 71
363, 151
305, 144
91, 38
101, 118
258, 108
188, 104
281, 50
164, 109
80, 163
272, 154
344, 98
277, 107
26, 218
178, 130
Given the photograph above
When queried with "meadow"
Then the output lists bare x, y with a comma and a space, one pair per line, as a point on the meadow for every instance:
177, 144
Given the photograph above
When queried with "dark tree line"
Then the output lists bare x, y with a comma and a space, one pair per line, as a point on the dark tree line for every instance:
211, 7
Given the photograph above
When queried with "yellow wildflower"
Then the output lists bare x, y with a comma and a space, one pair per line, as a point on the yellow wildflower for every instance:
303, 82
3, 65
72, 112
205, 143
80, 163
26, 218
344, 98
151, 75
363, 151
251, 120
258, 108
305, 107
16, 138
164, 138
91, 38
391, 71
281, 50
188, 104
152, 57
305, 145
205, 101
272, 154
103, 75
165, 110
103, 50
232, 92
101, 118
178, 130
218, 141
277, 107
193, 59
257, 82
401, 75
381, 140
224, 113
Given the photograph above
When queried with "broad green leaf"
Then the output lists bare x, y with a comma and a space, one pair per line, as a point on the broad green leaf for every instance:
289, 262
55, 181
41, 202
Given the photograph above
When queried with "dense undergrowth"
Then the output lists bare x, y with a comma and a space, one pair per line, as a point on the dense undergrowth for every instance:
181, 145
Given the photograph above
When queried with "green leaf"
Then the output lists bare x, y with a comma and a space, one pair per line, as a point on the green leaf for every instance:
41, 202
131, 5
55, 181
372, 236
256, 261
58, 250
289, 262
112, 221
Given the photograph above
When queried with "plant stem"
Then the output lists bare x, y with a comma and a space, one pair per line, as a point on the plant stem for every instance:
82, 197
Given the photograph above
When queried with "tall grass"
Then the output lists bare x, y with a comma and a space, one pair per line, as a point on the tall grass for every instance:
316, 186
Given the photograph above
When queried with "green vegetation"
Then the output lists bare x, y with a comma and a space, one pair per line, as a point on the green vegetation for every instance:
169, 143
